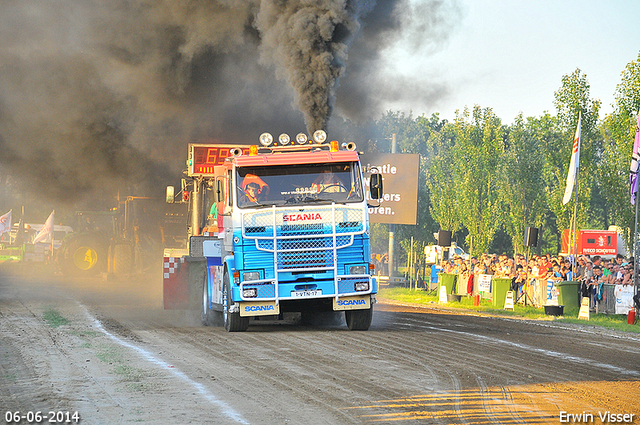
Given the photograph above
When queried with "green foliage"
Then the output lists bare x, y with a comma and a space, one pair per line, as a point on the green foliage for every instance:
522, 189
476, 156
617, 131
483, 179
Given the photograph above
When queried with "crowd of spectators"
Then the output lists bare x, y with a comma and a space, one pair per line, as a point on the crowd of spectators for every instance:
592, 271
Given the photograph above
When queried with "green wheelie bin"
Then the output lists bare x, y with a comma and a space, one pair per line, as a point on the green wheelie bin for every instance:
499, 289
447, 280
569, 296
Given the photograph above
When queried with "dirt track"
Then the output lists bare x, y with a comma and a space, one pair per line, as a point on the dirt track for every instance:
108, 351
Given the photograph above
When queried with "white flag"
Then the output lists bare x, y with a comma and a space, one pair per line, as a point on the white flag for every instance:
46, 231
574, 165
5, 222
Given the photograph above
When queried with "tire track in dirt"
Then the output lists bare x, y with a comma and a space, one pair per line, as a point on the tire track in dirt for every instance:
284, 369
64, 383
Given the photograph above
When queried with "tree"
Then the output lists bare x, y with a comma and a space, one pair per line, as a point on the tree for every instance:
441, 182
618, 131
476, 155
522, 188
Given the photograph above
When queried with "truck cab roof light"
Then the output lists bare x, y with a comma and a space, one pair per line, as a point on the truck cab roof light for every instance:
284, 139
266, 139
301, 138
253, 150
335, 147
319, 136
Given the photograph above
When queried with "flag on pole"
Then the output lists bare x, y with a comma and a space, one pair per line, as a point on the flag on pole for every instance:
633, 175
46, 231
573, 165
5, 223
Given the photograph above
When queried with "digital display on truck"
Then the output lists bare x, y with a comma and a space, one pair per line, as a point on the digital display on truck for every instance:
202, 158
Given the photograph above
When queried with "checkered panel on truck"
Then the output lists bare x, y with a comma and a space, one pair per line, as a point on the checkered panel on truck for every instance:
258, 224
349, 220
347, 285
265, 290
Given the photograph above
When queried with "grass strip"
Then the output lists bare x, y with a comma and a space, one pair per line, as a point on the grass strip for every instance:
406, 295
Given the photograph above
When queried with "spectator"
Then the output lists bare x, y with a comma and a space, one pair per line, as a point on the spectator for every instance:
597, 261
586, 278
543, 269
518, 281
547, 262
607, 270
627, 278
385, 264
568, 269
480, 267
533, 267
595, 285
556, 274
580, 269
487, 265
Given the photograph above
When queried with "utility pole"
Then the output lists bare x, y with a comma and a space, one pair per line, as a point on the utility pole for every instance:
392, 226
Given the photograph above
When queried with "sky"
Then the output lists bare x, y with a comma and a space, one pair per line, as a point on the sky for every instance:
510, 55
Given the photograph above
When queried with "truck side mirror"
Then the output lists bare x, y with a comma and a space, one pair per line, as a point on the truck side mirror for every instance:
170, 194
375, 186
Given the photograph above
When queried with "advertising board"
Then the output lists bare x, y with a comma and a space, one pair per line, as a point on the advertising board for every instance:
400, 176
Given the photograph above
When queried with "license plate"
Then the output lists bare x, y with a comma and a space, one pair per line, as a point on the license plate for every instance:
305, 294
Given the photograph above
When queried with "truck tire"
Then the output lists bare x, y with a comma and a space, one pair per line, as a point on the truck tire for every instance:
122, 259
208, 315
84, 256
232, 321
359, 320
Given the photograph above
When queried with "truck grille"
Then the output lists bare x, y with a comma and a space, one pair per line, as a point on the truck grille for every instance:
305, 245
306, 259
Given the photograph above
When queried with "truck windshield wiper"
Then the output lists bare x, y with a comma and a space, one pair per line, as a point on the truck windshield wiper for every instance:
316, 200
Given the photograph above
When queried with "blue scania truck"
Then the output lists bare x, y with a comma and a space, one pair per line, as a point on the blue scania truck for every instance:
279, 227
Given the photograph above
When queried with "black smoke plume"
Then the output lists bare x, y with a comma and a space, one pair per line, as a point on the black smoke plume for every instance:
101, 96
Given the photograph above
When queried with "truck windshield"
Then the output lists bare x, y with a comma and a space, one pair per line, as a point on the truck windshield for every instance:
299, 184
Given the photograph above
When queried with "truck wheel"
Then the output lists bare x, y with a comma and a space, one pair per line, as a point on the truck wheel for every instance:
84, 257
359, 320
122, 259
232, 321
208, 315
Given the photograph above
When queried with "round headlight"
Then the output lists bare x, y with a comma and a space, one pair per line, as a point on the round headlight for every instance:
284, 139
266, 139
319, 136
301, 138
